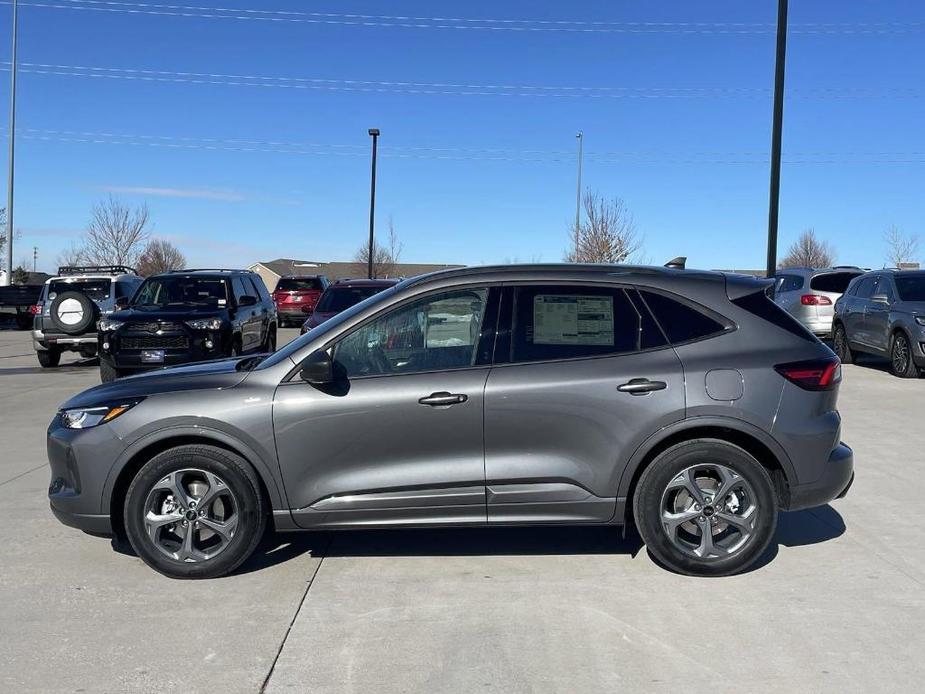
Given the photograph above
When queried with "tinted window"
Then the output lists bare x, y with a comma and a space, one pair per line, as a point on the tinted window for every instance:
567, 322
835, 282
125, 288
337, 299
680, 321
760, 305
885, 287
790, 283
866, 288
436, 333
98, 290
911, 287
237, 284
292, 284
179, 290
261, 288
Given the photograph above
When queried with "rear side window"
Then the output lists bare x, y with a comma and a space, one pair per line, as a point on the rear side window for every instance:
237, 285
569, 322
681, 322
790, 283
260, 289
911, 287
760, 305
835, 282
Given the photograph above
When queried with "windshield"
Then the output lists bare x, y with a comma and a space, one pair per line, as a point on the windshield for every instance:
911, 287
299, 284
337, 299
290, 349
177, 290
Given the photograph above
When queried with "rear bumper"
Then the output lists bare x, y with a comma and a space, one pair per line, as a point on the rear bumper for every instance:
836, 478
818, 325
42, 340
91, 523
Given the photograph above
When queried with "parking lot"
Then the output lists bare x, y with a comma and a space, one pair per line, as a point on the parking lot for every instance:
836, 605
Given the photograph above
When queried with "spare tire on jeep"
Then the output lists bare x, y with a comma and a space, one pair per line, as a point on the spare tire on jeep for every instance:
73, 313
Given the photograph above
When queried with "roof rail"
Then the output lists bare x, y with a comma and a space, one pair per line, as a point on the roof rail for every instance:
677, 263
212, 269
96, 269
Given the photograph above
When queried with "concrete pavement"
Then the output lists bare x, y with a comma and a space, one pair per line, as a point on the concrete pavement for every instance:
836, 605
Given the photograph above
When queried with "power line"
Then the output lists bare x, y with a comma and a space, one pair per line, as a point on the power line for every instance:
463, 23
453, 89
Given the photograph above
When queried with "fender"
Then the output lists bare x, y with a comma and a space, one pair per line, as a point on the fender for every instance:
268, 472
629, 471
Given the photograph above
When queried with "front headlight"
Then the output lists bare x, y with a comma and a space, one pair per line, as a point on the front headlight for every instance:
86, 417
205, 324
108, 325
920, 320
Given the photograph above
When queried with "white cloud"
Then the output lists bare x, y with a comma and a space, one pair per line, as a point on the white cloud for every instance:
190, 193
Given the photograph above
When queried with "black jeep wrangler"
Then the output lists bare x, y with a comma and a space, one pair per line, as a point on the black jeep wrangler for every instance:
188, 316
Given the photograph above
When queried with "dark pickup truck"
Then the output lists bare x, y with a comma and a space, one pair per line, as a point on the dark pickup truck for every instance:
19, 300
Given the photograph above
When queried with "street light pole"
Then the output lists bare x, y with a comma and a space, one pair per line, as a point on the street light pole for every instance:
8, 278
776, 134
581, 139
374, 133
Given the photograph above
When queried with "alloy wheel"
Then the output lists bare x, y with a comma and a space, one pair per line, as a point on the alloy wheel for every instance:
190, 515
901, 354
709, 511
841, 343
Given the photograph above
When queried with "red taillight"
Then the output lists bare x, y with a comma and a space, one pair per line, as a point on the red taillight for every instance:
36, 310
815, 300
816, 374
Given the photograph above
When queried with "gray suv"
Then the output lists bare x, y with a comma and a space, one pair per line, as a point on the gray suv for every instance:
685, 402
883, 313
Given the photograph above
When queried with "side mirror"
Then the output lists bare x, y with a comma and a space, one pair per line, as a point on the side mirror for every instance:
247, 300
880, 299
318, 369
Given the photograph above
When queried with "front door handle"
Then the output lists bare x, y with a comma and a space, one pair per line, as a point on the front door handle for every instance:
443, 398
641, 386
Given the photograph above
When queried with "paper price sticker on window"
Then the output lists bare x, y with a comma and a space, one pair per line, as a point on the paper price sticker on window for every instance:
569, 319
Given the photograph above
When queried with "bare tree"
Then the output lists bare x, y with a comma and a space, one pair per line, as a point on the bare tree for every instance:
72, 255
607, 235
116, 234
901, 248
160, 256
385, 257
809, 251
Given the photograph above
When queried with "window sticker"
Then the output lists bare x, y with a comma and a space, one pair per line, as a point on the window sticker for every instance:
569, 319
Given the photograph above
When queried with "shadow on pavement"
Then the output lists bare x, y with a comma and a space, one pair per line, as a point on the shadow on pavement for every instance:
71, 367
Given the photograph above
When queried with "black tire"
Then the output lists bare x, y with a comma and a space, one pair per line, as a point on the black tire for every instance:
666, 469
108, 372
269, 345
235, 349
24, 321
240, 481
84, 316
840, 344
49, 358
901, 363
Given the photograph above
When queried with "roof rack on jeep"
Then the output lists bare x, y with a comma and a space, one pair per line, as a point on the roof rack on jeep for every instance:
96, 269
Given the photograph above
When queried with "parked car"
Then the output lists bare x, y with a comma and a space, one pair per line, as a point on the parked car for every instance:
883, 313
19, 301
71, 303
685, 402
297, 295
809, 295
188, 316
342, 295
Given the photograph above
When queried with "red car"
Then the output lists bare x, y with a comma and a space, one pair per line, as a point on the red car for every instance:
342, 295
296, 295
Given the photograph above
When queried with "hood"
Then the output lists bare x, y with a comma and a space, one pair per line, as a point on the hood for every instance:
210, 375
174, 313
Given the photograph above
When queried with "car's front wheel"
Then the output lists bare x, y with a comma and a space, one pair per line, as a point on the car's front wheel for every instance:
705, 508
194, 511
108, 372
901, 363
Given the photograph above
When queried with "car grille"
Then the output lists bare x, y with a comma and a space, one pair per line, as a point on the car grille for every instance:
154, 326
155, 342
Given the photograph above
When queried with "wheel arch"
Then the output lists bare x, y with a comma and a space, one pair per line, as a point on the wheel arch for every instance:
145, 449
758, 444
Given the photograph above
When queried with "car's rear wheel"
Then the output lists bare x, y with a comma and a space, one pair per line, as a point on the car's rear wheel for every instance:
840, 343
195, 511
705, 508
49, 358
269, 344
901, 363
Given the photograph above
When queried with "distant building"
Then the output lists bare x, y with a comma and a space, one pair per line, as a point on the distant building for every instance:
271, 270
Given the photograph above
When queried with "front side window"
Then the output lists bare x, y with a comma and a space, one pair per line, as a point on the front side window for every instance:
436, 333
569, 322
866, 288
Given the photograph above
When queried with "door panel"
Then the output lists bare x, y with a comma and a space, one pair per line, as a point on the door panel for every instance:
557, 430
375, 455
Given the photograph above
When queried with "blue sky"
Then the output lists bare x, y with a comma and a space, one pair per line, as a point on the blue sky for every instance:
673, 97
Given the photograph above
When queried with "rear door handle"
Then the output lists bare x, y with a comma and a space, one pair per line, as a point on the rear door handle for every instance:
443, 398
641, 386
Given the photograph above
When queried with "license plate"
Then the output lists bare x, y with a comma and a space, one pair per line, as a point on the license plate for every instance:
152, 356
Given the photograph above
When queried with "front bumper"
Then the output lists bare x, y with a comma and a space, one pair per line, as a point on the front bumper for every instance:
124, 349
837, 476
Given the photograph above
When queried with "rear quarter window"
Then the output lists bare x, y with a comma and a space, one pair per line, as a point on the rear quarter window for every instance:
680, 321
758, 304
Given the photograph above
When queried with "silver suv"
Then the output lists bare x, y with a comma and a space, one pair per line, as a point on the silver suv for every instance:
70, 305
685, 402
883, 313
809, 295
